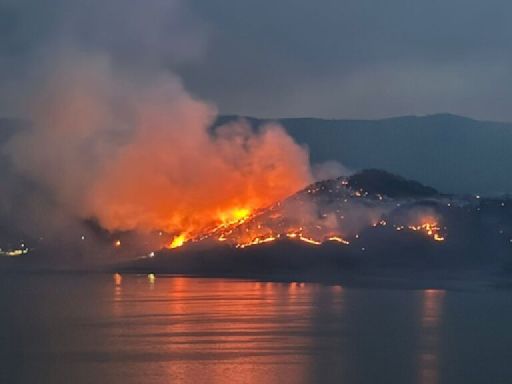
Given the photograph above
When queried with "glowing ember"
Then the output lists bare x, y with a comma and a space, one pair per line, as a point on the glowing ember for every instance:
438, 237
257, 241
339, 240
431, 229
307, 239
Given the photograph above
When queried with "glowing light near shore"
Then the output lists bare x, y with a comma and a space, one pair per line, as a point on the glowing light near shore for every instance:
438, 237
16, 252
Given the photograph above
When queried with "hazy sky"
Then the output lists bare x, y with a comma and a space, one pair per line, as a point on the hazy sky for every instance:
326, 58
357, 58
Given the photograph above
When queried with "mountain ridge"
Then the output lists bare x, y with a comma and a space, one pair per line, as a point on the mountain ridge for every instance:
448, 152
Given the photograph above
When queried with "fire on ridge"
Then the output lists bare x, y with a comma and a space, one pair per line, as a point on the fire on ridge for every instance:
329, 211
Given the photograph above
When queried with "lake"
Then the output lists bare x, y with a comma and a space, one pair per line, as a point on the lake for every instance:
96, 329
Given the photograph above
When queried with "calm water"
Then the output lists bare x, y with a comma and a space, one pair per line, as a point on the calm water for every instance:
85, 329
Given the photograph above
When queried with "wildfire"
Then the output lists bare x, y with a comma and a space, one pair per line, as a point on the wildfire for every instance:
254, 234
258, 240
242, 228
339, 240
291, 235
236, 215
178, 241
430, 228
118, 279
303, 238
294, 218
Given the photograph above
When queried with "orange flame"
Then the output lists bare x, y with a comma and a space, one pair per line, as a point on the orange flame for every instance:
430, 227
178, 241
236, 215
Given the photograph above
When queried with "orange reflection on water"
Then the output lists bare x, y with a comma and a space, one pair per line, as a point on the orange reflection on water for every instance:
118, 279
194, 330
432, 306
225, 329
431, 317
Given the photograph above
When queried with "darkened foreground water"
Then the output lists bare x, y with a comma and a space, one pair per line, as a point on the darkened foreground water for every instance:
85, 329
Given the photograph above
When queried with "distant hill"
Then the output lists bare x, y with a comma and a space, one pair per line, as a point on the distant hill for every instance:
379, 181
451, 153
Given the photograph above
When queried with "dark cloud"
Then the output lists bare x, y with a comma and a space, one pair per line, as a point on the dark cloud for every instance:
330, 58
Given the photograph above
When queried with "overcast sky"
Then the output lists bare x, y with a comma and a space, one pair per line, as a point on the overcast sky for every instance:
325, 58
357, 58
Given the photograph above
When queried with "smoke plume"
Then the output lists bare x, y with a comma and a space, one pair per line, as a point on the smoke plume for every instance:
116, 137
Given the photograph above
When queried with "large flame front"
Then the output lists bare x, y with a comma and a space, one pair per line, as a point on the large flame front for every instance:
241, 173
302, 217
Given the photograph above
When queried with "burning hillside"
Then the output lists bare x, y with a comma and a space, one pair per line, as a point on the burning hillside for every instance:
350, 225
330, 211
